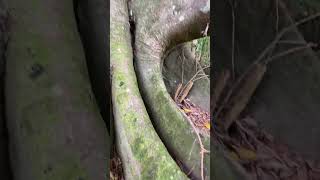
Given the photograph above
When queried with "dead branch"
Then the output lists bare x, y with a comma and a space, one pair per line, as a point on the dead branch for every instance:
260, 58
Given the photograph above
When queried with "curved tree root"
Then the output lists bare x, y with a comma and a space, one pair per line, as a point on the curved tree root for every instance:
55, 130
160, 25
141, 150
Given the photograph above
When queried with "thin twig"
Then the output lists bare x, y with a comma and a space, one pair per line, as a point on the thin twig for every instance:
281, 33
260, 58
289, 51
193, 77
203, 76
205, 33
202, 149
292, 42
182, 69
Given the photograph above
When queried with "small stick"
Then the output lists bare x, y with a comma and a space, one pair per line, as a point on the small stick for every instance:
202, 149
182, 71
177, 92
192, 79
205, 33
198, 78
292, 42
292, 50
281, 33
186, 91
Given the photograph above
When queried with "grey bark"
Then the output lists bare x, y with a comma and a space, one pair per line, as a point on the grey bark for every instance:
55, 129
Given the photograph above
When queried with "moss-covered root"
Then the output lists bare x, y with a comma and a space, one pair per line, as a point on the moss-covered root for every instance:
161, 25
55, 128
141, 150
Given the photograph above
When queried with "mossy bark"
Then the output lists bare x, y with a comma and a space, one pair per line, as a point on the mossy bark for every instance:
160, 25
55, 128
142, 152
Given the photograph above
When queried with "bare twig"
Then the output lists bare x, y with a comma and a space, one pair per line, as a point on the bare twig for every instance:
292, 42
182, 68
260, 58
186, 91
192, 79
198, 78
202, 148
205, 33
281, 33
292, 50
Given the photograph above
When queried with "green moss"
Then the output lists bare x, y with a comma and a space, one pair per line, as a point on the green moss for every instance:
202, 48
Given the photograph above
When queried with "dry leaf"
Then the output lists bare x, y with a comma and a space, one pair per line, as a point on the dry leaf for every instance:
186, 110
207, 125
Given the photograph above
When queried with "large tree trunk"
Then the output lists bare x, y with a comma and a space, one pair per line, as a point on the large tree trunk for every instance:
55, 128
159, 26
287, 102
141, 150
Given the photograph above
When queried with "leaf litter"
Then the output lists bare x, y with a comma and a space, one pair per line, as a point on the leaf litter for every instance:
262, 156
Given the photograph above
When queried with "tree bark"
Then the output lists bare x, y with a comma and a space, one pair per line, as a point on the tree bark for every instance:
159, 26
143, 154
54, 125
